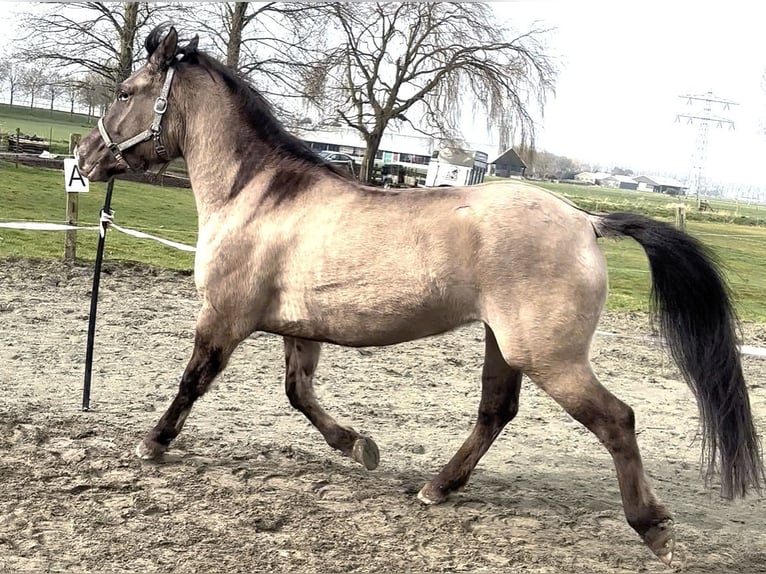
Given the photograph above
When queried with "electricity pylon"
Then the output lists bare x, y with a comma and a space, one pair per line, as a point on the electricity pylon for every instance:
704, 119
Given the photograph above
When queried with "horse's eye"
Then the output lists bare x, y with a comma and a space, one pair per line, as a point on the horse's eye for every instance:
123, 96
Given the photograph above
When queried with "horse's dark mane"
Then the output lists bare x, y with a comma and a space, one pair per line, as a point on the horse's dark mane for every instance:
255, 107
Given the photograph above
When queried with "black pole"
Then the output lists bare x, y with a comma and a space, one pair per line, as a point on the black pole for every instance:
94, 298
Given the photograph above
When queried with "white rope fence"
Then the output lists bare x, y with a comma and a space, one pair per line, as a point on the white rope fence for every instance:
107, 220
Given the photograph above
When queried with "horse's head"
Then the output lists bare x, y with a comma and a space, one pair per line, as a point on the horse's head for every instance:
141, 127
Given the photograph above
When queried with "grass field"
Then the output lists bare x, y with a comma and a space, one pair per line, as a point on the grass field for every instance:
659, 205
37, 195
45, 123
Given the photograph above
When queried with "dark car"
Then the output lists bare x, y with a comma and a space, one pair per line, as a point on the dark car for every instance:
340, 159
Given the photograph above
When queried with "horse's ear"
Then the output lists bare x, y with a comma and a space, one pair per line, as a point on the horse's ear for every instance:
193, 44
165, 53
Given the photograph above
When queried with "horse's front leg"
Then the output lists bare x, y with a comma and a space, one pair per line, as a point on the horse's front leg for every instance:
213, 345
301, 358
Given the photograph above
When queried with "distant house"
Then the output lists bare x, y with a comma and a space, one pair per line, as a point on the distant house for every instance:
620, 182
662, 184
509, 164
593, 178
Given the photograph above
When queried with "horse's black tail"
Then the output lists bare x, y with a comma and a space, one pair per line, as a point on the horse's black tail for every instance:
691, 301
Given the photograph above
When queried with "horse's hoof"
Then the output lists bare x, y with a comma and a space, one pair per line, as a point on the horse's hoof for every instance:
149, 450
661, 540
366, 453
429, 497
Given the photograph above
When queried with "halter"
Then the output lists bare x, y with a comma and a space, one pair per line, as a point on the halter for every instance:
153, 132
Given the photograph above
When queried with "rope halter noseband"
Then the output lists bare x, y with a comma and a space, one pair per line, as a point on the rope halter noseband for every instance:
153, 132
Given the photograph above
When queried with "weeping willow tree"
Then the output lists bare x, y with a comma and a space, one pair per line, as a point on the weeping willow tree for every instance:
422, 64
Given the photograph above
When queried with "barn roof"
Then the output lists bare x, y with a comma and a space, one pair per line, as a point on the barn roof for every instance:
622, 178
509, 156
663, 181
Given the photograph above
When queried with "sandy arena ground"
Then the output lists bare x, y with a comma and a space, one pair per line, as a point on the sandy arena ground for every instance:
250, 486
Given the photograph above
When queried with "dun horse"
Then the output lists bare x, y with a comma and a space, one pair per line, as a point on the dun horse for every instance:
289, 245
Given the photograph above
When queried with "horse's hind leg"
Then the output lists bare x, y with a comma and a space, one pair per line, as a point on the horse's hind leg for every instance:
500, 386
576, 389
301, 358
212, 348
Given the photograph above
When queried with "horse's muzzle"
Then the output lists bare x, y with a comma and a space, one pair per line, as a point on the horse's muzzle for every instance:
95, 160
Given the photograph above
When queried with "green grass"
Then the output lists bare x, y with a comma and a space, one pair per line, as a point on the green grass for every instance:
658, 205
37, 194
735, 231
740, 249
45, 124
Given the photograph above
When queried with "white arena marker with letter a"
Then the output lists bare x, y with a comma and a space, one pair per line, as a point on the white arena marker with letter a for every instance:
74, 184
74, 181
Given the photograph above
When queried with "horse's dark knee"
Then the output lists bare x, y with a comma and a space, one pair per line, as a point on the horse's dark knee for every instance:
627, 420
293, 395
296, 375
206, 362
498, 417
499, 402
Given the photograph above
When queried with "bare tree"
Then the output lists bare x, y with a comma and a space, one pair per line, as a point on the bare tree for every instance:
422, 63
97, 37
267, 42
96, 93
73, 89
616, 170
545, 164
11, 74
53, 87
32, 82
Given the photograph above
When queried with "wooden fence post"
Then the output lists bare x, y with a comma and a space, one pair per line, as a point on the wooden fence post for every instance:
72, 201
681, 217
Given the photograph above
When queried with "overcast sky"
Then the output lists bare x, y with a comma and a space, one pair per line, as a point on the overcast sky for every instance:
623, 66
